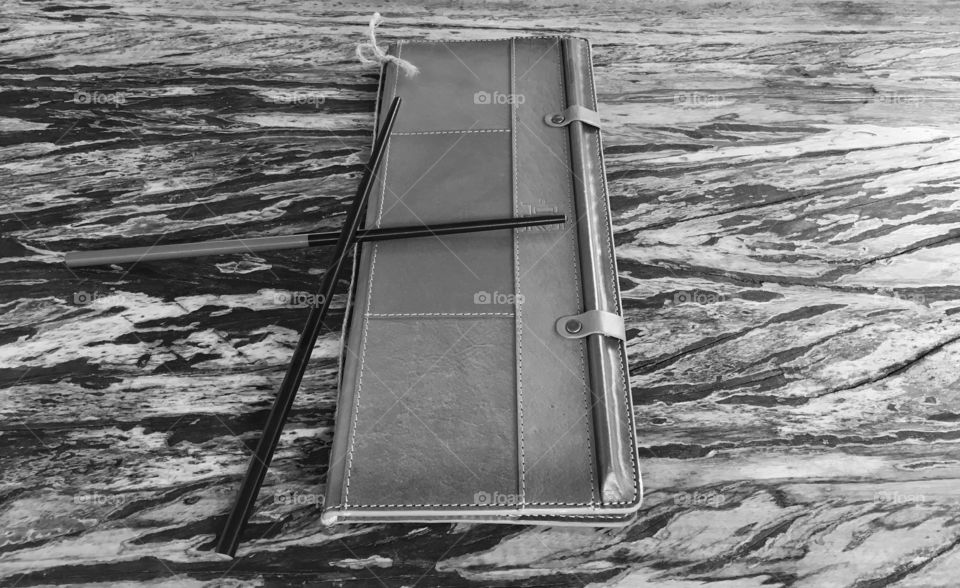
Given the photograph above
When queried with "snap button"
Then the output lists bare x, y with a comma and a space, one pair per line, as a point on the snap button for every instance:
572, 114
591, 322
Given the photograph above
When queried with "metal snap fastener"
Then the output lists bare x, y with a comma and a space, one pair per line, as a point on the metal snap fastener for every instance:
557, 119
573, 326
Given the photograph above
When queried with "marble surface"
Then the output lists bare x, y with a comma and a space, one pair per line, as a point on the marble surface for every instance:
784, 179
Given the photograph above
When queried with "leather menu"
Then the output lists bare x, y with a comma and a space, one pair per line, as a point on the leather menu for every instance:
484, 375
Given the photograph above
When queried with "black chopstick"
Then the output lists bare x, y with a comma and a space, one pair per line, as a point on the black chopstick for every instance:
256, 471
256, 244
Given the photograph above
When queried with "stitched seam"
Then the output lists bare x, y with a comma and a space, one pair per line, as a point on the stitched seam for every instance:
439, 314
613, 279
451, 132
518, 323
351, 293
386, 160
486, 506
356, 413
588, 408
603, 517
383, 193
495, 40
369, 303
593, 518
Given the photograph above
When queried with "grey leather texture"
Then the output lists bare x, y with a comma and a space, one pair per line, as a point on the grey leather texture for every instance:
458, 398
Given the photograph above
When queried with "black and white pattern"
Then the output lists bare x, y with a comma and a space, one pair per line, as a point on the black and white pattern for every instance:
784, 181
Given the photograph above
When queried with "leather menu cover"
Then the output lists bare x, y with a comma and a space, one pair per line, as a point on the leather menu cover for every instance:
484, 375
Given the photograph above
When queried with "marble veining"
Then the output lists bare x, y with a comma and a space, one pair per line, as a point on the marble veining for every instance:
784, 179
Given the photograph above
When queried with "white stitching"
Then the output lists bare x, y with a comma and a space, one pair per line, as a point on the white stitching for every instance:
356, 404
369, 301
437, 314
518, 323
451, 132
407, 505
495, 40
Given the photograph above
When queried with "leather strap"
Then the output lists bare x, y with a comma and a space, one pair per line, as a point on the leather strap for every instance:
572, 113
518, 309
592, 322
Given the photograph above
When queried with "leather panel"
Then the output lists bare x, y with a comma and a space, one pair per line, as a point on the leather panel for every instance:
468, 79
435, 421
435, 179
557, 445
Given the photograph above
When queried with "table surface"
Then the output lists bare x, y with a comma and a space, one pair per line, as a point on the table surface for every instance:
784, 179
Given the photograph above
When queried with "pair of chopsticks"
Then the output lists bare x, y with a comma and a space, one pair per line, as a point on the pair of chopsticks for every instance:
349, 235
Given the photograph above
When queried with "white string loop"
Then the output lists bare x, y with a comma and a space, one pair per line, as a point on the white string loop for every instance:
379, 56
